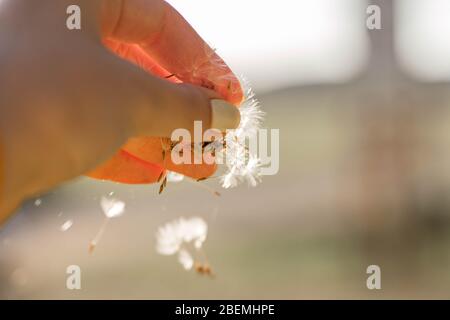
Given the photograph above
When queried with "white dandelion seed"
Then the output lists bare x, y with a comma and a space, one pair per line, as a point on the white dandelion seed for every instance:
178, 236
66, 225
112, 208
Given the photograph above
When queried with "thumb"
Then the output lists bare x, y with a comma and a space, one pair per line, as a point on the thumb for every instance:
156, 107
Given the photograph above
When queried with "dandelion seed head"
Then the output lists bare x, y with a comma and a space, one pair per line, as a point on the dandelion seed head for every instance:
242, 164
111, 207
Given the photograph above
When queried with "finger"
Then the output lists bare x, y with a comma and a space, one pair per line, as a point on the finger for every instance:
150, 150
136, 55
139, 147
171, 42
141, 161
126, 168
157, 108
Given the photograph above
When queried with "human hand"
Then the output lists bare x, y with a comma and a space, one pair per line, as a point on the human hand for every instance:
67, 104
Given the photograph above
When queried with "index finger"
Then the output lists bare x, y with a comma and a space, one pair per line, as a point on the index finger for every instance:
169, 40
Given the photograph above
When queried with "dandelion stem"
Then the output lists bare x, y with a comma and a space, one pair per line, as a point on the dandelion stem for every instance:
204, 186
98, 236
207, 265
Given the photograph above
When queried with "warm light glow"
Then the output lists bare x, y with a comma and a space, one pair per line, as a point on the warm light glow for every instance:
284, 42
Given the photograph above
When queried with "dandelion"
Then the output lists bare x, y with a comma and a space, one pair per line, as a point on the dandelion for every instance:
185, 238
243, 164
112, 208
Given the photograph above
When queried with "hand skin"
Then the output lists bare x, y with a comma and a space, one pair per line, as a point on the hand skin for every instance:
68, 103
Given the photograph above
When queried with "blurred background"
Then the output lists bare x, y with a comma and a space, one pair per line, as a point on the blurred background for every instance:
364, 171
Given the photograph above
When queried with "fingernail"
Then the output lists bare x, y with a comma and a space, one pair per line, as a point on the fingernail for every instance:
224, 115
